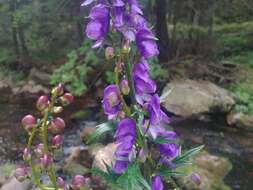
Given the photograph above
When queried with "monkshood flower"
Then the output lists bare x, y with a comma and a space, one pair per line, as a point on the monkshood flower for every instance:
125, 138
157, 183
158, 119
144, 86
146, 43
169, 150
111, 101
99, 24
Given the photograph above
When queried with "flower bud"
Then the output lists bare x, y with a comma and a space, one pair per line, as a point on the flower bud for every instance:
126, 48
124, 87
57, 125
42, 103
196, 178
62, 184
46, 161
39, 150
57, 141
78, 182
109, 53
27, 154
57, 109
67, 99
59, 89
21, 174
28, 122
142, 155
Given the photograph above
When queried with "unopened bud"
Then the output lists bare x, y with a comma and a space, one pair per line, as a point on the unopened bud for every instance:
126, 48
59, 89
57, 141
57, 125
196, 178
124, 87
78, 182
39, 150
27, 154
29, 122
46, 161
57, 109
109, 53
62, 184
142, 155
42, 103
21, 174
67, 99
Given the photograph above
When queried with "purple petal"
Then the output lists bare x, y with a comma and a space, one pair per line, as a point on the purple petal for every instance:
157, 183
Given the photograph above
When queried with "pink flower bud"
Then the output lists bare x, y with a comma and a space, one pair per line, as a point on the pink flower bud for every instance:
62, 184
27, 154
196, 178
124, 87
46, 161
57, 125
109, 53
21, 174
142, 155
78, 182
39, 150
29, 122
57, 141
42, 103
67, 99
59, 89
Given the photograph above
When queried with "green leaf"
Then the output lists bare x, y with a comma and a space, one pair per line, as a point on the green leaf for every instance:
132, 179
183, 158
167, 172
101, 130
162, 140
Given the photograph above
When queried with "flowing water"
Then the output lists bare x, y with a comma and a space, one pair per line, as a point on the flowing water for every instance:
234, 144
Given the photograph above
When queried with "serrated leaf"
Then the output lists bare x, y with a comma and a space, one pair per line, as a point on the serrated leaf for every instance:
187, 155
132, 179
101, 130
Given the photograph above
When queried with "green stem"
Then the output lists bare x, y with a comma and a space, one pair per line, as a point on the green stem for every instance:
130, 80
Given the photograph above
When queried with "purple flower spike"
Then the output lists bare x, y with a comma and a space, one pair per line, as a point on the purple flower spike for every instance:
125, 137
98, 26
170, 150
111, 101
144, 86
157, 183
146, 43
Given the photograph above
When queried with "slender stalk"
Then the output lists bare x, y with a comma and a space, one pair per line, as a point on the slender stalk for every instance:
130, 80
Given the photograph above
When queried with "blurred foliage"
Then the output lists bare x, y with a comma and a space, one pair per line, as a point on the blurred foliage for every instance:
74, 73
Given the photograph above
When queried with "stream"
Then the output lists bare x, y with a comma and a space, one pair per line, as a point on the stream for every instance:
219, 139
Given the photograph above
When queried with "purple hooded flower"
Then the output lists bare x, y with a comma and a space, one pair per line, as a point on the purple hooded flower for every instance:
157, 183
125, 138
99, 24
111, 101
144, 86
170, 150
146, 43
158, 119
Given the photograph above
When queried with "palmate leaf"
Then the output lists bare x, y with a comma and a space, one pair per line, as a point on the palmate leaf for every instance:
101, 130
184, 158
132, 179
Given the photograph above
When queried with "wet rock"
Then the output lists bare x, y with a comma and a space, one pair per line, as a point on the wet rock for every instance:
39, 77
5, 91
212, 169
241, 120
104, 155
188, 98
13, 184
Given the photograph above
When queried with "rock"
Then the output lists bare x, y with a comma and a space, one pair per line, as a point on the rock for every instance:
104, 155
5, 91
39, 77
241, 120
212, 169
188, 98
13, 184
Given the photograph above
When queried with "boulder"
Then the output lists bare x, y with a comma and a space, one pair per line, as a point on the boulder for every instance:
241, 120
13, 184
188, 98
211, 168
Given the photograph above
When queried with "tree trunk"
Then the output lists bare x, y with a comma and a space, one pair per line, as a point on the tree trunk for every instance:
162, 30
